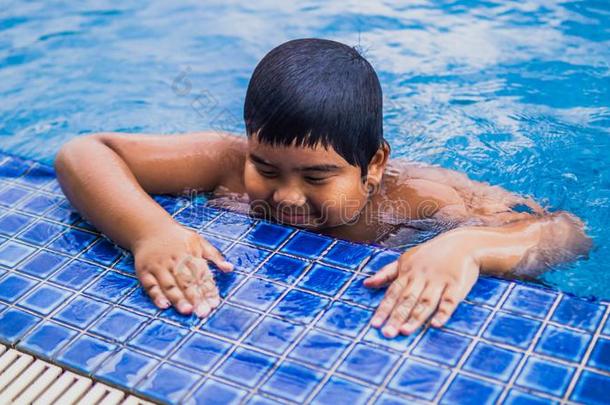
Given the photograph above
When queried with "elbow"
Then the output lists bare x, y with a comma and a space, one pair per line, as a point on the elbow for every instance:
74, 153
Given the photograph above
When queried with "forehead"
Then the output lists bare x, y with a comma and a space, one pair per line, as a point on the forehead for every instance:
295, 155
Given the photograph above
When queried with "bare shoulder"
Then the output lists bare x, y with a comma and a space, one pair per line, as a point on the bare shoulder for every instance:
175, 163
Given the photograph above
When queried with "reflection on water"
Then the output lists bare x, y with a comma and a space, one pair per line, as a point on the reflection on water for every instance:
515, 93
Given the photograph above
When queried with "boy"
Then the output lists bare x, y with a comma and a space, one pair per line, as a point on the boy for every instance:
314, 157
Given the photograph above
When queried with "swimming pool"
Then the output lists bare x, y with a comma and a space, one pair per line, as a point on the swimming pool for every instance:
514, 93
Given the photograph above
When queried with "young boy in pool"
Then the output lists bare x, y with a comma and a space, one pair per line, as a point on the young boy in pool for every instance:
315, 158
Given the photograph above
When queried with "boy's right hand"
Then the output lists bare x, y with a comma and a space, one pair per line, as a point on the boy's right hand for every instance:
172, 267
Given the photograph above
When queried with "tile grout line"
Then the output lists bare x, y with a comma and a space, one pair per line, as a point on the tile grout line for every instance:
585, 358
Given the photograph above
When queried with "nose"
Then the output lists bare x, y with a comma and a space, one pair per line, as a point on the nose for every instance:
289, 195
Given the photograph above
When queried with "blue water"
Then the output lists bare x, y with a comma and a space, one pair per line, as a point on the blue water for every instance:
513, 93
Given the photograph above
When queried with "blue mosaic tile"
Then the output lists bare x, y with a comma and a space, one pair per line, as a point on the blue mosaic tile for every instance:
12, 253
545, 376
306, 244
45, 299
292, 382
80, 312
300, 306
167, 384
273, 335
487, 291
517, 397
41, 232
215, 393
529, 301
11, 195
98, 321
230, 225
368, 363
14, 286
399, 343
158, 338
468, 318
126, 368
72, 242
441, 346
76, 274
563, 344
324, 279
347, 255
379, 260
103, 252
258, 294
43, 263
338, 390
419, 379
511, 330
267, 235
14, 323
86, 353
492, 361
319, 349
591, 388
47, 339
600, 356
111, 286
200, 352
117, 324
126, 264
39, 204
345, 319
13, 222
245, 258
468, 390
138, 301
245, 367
230, 321
358, 293
578, 313
282, 268
227, 282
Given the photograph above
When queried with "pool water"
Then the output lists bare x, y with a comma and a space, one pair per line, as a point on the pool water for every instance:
513, 93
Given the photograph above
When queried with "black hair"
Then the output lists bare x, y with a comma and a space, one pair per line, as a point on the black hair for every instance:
310, 91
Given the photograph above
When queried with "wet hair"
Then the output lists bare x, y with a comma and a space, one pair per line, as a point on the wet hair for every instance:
310, 91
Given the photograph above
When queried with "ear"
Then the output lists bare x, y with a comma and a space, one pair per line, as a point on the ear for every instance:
378, 163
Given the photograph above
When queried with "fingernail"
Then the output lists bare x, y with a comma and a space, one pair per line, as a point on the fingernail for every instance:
163, 303
202, 310
389, 331
227, 265
184, 307
376, 322
214, 302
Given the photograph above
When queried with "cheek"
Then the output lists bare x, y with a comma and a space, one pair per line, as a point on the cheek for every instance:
341, 200
256, 186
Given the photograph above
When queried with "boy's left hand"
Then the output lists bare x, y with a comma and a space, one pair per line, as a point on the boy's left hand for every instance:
431, 278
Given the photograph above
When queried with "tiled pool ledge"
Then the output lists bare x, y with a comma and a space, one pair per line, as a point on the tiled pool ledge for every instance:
293, 324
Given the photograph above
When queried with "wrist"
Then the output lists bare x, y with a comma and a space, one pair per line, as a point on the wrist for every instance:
152, 230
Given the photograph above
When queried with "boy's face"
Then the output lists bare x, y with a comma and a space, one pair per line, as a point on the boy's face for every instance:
306, 187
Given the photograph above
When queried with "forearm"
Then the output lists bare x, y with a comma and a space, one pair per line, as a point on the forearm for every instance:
103, 189
525, 247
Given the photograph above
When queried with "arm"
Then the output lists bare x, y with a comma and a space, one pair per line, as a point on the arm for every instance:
107, 177
434, 277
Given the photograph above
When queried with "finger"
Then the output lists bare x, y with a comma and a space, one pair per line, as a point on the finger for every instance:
427, 303
403, 308
383, 277
206, 287
170, 289
389, 301
450, 299
151, 286
187, 274
212, 254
